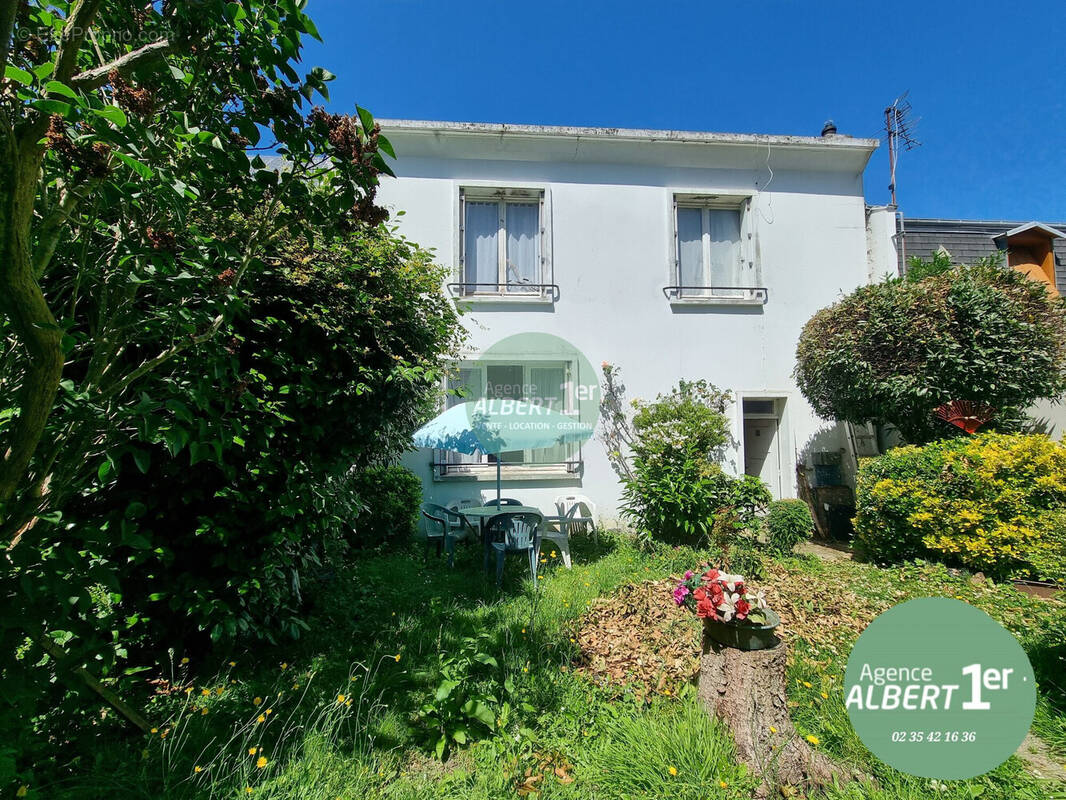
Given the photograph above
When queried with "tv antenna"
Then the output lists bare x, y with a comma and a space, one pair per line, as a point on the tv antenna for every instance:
900, 131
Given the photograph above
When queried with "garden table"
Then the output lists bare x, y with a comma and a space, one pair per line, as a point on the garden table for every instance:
482, 515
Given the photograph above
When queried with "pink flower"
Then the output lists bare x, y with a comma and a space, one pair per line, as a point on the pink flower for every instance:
688, 575
680, 593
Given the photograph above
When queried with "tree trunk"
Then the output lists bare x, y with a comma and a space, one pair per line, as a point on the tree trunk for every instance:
746, 689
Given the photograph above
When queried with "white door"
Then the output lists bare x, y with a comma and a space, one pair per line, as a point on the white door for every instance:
762, 452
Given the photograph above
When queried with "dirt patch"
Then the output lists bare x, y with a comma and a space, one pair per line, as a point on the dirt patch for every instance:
640, 639
1040, 760
825, 551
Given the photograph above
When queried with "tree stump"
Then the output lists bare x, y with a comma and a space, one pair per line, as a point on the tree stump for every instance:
746, 689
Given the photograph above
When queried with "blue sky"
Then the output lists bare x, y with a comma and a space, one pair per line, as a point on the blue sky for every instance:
985, 79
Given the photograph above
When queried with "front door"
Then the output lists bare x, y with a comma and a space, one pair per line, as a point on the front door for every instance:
762, 452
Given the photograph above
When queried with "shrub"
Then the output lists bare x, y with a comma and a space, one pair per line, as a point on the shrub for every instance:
895, 351
788, 523
391, 497
991, 502
674, 488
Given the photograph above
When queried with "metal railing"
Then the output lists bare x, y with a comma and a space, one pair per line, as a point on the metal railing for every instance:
505, 289
443, 467
759, 293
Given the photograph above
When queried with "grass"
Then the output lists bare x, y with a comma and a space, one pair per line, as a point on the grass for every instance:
347, 703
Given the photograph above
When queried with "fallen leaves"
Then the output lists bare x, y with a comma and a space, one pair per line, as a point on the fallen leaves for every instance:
638, 638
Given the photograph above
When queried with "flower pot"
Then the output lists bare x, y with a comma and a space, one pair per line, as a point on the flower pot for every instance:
743, 635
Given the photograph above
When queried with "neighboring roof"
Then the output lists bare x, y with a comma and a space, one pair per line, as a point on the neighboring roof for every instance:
558, 142
967, 240
1036, 226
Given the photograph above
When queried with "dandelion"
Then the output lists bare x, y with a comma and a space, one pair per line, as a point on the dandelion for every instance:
185, 661
525, 669
296, 686
205, 692
155, 730
825, 696
773, 729
269, 711
523, 630
812, 739
341, 698
203, 712
220, 690
261, 762
257, 701
672, 770
233, 663
188, 690
807, 684
284, 665
197, 769
251, 751
723, 784
247, 789
397, 657
553, 554
261, 718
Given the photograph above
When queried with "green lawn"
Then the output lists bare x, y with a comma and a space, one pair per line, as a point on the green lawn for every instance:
399, 650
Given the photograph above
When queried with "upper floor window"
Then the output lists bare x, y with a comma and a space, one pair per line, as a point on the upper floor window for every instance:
502, 242
713, 257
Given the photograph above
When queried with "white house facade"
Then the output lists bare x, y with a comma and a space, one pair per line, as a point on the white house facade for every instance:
668, 254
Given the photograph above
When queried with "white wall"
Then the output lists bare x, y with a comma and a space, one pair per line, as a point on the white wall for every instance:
611, 236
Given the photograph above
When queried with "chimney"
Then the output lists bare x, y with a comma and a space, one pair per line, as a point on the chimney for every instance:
829, 129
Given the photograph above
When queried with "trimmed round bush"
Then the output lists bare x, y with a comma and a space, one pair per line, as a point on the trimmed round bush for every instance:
788, 522
990, 502
895, 351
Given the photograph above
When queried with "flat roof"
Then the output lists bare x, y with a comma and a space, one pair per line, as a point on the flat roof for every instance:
627, 134
488, 141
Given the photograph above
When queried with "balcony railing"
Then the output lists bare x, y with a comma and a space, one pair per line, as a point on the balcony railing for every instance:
759, 294
490, 290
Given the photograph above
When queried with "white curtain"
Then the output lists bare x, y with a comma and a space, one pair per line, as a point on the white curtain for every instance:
547, 385
727, 268
690, 248
523, 244
481, 252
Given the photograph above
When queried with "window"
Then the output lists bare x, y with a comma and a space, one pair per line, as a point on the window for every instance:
501, 240
547, 382
712, 257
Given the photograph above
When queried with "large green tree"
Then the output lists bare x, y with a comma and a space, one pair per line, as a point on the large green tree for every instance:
122, 127
893, 352
179, 319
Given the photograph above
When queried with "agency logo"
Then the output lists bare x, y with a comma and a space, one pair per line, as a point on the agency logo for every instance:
937, 688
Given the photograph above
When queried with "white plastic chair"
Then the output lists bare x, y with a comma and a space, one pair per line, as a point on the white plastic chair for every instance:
584, 520
560, 538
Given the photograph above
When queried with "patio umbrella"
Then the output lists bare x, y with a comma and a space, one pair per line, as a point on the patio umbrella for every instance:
499, 425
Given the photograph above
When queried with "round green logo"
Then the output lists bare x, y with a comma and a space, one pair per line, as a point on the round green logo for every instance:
531, 392
937, 688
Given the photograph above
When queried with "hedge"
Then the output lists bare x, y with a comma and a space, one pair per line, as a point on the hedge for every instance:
990, 502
